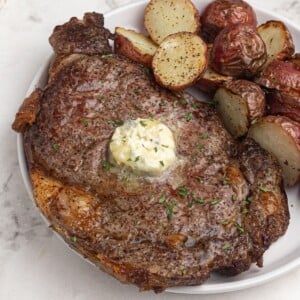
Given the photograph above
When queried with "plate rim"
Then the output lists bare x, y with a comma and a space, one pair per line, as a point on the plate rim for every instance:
203, 289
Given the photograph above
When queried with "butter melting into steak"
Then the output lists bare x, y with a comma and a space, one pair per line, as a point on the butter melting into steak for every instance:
217, 209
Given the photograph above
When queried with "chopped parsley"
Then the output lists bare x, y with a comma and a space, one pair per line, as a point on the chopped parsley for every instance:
56, 147
162, 199
215, 202
195, 105
115, 123
183, 191
143, 123
188, 116
74, 239
136, 91
225, 180
263, 188
137, 159
199, 200
233, 197
161, 163
85, 123
226, 222
249, 199
163, 103
151, 117
107, 165
183, 271
205, 136
170, 210
200, 146
239, 227
182, 101
106, 55
245, 211
165, 146
227, 246
155, 149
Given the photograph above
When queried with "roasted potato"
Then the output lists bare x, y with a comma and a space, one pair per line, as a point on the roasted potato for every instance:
278, 40
280, 136
221, 13
211, 80
295, 59
134, 45
238, 51
282, 76
240, 103
166, 17
280, 103
179, 60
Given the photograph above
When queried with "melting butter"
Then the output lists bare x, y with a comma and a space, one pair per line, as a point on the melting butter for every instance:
143, 145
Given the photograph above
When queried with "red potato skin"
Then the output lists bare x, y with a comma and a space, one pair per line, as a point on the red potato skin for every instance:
282, 76
295, 59
238, 51
124, 47
207, 83
222, 13
252, 93
284, 104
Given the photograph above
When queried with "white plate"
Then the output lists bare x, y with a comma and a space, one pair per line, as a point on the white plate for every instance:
284, 255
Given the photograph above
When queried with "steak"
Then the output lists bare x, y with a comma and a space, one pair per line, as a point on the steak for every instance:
217, 210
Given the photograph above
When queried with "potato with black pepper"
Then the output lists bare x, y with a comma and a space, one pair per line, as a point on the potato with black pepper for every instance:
180, 60
238, 51
162, 18
221, 13
280, 136
239, 104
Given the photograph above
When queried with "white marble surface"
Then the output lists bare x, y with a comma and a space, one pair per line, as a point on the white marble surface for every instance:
34, 263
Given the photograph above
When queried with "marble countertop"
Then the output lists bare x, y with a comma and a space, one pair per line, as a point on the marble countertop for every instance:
34, 263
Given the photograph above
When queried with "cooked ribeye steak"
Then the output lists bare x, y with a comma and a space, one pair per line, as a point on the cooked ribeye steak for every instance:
217, 209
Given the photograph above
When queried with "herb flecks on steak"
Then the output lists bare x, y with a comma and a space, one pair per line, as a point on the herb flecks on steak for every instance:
218, 209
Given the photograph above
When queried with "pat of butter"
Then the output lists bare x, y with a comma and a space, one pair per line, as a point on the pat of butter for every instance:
143, 145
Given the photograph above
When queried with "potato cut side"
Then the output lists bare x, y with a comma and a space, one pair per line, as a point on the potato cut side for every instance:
281, 137
211, 80
179, 60
278, 40
134, 45
165, 17
233, 111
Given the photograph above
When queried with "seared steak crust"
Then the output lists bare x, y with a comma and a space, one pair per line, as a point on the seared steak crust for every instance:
217, 209
87, 36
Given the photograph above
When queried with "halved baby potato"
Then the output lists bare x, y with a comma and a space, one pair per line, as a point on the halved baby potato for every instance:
211, 80
179, 60
134, 45
280, 136
240, 103
278, 40
165, 17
